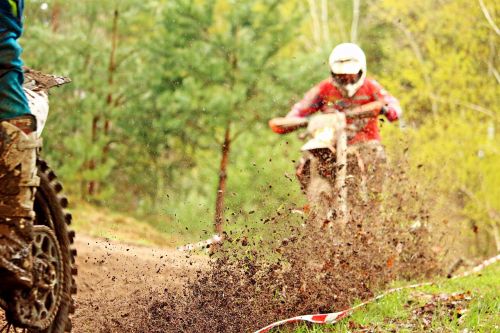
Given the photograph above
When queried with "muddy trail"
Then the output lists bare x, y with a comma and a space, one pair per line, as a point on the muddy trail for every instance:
281, 267
252, 283
287, 265
114, 277
247, 284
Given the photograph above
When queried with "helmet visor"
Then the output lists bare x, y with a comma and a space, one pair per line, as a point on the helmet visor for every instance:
346, 79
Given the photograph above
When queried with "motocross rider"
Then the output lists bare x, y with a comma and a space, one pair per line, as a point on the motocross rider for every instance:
345, 89
18, 145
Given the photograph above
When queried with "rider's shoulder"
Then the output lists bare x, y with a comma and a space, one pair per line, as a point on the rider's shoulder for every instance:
325, 85
320, 89
372, 83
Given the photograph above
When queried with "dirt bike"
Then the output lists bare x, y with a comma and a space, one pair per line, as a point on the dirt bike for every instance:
323, 173
45, 308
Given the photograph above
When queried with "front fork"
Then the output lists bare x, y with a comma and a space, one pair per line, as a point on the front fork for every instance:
339, 209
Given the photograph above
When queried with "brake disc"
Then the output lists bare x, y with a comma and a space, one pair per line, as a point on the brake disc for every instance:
37, 307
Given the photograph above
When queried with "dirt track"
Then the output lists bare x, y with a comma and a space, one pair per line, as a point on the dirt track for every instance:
112, 277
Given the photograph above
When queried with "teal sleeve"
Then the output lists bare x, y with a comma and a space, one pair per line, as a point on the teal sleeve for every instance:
13, 101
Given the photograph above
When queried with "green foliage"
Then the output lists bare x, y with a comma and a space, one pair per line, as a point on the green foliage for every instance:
440, 61
75, 39
148, 129
213, 64
216, 60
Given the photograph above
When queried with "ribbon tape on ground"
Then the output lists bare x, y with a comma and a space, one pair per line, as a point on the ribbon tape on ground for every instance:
332, 318
200, 245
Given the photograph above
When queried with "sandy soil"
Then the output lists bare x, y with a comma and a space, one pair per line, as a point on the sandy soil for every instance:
112, 277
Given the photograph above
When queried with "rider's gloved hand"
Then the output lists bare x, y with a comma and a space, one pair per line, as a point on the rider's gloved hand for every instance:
276, 128
390, 113
287, 124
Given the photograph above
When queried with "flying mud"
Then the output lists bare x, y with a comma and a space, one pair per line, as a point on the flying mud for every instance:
283, 267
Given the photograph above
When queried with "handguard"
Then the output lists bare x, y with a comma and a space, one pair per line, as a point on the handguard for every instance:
287, 125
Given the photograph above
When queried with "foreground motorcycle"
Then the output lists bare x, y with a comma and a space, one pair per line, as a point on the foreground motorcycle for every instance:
44, 308
327, 158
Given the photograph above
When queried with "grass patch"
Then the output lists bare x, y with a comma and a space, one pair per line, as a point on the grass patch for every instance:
426, 309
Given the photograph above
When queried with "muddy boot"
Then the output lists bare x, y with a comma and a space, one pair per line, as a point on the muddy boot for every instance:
18, 182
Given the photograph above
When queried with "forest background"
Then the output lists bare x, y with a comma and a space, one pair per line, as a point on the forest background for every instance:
169, 104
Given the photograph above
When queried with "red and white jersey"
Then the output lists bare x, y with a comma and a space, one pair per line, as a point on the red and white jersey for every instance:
325, 95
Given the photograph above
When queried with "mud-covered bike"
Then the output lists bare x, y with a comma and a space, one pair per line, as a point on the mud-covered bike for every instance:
46, 306
323, 170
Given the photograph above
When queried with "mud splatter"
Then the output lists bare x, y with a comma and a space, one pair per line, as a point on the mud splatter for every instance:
292, 268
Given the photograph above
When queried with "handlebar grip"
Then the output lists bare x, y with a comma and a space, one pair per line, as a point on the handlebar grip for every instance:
367, 110
288, 122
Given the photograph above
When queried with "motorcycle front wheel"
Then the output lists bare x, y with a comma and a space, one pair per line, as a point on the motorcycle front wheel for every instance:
50, 302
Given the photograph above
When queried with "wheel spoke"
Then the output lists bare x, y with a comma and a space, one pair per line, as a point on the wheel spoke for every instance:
9, 327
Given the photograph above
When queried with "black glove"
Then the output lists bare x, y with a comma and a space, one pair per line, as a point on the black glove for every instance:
384, 110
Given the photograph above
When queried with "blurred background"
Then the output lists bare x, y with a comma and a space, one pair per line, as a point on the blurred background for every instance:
170, 99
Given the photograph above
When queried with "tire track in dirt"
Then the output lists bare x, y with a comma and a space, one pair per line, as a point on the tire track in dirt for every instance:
113, 276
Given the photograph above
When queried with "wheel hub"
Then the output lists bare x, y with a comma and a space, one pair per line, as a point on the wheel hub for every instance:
37, 307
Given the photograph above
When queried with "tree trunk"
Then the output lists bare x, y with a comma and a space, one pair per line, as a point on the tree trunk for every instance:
111, 80
54, 19
91, 164
324, 22
316, 28
221, 188
355, 21
93, 185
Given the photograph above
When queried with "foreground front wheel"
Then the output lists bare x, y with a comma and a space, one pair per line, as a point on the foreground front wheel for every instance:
46, 308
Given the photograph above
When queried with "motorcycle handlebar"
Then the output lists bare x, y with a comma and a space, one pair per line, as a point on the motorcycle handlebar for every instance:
364, 111
285, 125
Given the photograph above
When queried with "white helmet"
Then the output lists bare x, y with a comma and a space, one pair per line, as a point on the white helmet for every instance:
348, 58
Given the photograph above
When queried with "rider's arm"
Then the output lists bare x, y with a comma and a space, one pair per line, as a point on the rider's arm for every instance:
277, 128
392, 109
13, 101
312, 102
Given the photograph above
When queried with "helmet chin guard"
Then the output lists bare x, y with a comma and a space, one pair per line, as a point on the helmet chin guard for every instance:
351, 89
348, 58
